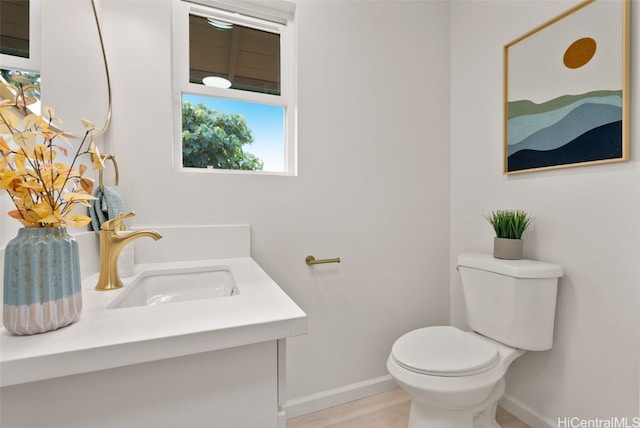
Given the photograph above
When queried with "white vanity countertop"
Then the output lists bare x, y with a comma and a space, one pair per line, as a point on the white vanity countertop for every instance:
107, 338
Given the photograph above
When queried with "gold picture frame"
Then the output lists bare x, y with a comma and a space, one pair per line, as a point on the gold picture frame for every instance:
566, 90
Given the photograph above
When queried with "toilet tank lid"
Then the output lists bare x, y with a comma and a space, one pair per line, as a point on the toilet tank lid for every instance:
515, 268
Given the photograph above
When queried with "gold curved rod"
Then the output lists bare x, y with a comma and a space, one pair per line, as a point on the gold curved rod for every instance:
106, 70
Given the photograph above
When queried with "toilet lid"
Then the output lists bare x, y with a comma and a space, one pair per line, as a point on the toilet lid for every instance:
444, 351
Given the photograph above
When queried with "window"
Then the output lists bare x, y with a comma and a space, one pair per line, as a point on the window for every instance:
234, 85
7, 92
20, 46
20, 35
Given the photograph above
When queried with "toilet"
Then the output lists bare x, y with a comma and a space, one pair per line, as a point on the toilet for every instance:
454, 377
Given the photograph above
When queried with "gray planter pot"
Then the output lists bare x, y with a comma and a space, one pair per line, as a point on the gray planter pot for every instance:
509, 249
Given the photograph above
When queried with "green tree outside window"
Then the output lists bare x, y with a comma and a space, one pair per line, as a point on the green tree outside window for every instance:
211, 139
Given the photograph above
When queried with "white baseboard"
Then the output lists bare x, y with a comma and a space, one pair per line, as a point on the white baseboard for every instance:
525, 413
334, 397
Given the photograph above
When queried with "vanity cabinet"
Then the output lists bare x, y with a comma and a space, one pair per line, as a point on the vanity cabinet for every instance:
235, 387
207, 362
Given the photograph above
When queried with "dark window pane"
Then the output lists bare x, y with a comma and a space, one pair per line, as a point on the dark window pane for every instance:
248, 58
14, 27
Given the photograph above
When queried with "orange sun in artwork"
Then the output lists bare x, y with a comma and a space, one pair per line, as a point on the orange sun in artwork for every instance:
579, 52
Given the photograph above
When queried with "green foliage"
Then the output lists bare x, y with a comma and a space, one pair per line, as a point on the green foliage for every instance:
211, 138
34, 80
509, 224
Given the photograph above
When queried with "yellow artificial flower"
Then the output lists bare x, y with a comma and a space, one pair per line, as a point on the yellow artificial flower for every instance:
44, 191
96, 158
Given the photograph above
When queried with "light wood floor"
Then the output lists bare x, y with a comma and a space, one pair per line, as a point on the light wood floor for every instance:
387, 410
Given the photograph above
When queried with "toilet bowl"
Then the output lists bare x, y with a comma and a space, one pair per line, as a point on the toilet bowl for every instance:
455, 378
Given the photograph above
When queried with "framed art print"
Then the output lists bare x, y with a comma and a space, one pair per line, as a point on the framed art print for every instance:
566, 90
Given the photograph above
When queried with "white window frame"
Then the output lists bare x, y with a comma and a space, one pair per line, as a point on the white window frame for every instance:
271, 16
31, 64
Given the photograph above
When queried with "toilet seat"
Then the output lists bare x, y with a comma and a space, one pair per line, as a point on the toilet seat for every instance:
444, 351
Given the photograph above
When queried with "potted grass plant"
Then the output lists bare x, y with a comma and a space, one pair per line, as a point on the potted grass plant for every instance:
509, 226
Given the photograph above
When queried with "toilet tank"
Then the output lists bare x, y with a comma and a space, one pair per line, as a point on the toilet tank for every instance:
511, 301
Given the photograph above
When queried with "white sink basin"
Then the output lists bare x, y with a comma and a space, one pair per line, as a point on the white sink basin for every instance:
163, 286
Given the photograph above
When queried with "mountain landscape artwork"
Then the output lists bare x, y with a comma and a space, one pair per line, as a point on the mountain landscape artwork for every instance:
566, 90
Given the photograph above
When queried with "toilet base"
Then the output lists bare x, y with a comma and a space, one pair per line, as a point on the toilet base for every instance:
423, 415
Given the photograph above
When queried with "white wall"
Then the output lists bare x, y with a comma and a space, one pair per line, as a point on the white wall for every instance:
373, 183
586, 220
373, 81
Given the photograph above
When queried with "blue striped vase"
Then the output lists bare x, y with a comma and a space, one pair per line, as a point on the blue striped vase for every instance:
42, 285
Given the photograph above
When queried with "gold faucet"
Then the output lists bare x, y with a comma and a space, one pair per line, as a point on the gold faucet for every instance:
113, 239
